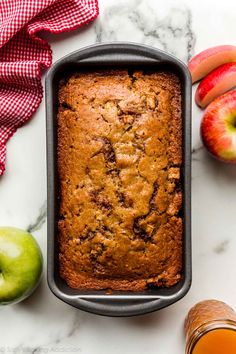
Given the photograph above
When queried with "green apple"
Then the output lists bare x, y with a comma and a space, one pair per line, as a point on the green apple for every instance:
21, 264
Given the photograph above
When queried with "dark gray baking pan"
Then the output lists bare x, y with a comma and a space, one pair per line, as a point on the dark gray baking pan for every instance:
131, 56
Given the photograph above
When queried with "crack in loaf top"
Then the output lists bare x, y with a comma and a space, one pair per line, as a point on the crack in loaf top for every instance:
119, 159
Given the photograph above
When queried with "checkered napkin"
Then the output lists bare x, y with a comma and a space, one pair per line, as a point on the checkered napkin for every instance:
23, 54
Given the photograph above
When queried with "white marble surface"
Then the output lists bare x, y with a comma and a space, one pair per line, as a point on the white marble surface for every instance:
43, 324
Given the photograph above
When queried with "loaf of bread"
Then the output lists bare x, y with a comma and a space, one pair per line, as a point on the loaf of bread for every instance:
119, 166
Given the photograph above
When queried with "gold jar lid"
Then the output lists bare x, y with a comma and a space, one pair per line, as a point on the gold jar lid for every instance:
206, 316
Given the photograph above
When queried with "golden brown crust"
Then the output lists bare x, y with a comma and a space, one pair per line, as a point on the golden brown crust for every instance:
119, 159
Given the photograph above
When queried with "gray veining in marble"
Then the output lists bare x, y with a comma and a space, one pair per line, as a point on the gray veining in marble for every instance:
195, 153
221, 247
138, 20
39, 220
55, 343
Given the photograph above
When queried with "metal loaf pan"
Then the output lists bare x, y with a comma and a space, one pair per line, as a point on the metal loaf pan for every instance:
130, 56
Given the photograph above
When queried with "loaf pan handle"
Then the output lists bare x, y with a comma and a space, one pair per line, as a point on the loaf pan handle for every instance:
118, 53
118, 307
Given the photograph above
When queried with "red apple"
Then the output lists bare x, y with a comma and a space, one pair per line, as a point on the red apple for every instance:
218, 127
215, 84
206, 61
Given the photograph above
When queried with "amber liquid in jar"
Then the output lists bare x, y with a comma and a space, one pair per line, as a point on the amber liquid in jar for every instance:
211, 329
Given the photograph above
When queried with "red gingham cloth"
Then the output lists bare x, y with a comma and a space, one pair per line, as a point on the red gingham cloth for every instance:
23, 54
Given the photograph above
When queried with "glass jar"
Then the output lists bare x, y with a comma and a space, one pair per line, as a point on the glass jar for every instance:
210, 328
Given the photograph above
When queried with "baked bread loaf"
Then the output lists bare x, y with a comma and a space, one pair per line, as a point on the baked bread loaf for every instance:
119, 166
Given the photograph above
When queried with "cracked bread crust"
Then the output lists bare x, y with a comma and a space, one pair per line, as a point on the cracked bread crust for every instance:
119, 160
